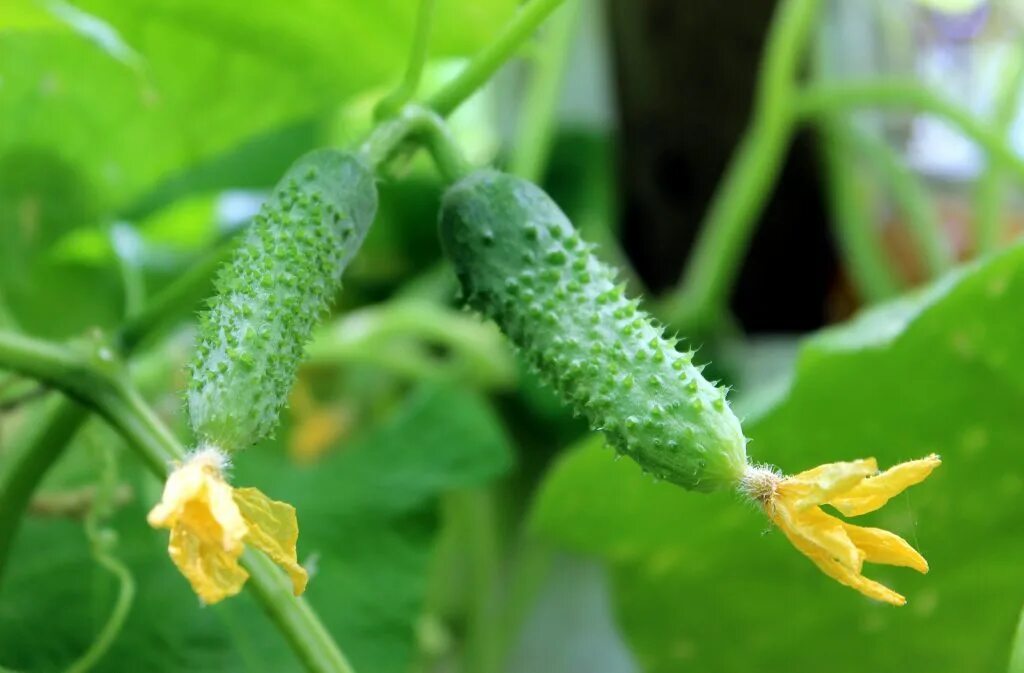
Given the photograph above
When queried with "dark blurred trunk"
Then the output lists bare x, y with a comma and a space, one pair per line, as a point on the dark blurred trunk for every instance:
685, 75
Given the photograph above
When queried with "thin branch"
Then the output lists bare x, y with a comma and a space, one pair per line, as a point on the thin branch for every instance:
858, 240
492, 57
990, 190
821, 99
909, 194
703, 292
406, 89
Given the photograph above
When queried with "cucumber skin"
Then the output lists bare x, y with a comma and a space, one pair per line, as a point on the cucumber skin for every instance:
521, 263
273, 292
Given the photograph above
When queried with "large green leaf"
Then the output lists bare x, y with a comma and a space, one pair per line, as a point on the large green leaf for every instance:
699, 587
368, 517
141, 89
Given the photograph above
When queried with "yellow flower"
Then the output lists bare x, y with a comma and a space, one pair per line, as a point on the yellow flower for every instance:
211, 523
838, 548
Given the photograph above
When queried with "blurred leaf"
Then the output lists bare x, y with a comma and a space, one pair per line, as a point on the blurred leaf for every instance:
208, 75
368, 518
699, 587
1017, 649
42, 197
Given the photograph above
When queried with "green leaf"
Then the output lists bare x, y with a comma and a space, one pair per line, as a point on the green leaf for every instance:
368, 519
699, 587
203, 77
1017, 650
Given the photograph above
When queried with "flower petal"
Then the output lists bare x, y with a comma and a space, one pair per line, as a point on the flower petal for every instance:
843, 574
822, 531
881, 546
873, 492
206, 525
274, 530
213, 572
820, 484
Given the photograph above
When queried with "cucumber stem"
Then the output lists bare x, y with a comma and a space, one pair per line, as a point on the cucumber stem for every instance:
533, 139
406, 89
492, 57
419, 124
703, 292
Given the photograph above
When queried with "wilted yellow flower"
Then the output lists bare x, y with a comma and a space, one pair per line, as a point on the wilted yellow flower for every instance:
838, 548
211, 522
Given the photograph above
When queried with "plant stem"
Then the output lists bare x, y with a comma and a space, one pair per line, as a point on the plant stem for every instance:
476, 513
714, 263
123, 407
909, 193
860, 244
475, 351
31, 453
990, 189
174, 301
101, 549
821, 99
294, 617
416, 123
492, 57
406, 89
118, 615
35, 450
537, 121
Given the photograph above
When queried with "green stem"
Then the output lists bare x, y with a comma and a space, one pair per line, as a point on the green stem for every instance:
533, 144
406, 89
121, 405
714, 263
860, 245
100, 541
476, 513
31, 453
34, 451
823, 99
114, 623
176, 300
989, 192
419, 124
911, 196
475, 351
123, 239
531, 567
492, 57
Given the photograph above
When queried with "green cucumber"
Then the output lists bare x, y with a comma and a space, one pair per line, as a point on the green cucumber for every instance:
273, 292
521, 263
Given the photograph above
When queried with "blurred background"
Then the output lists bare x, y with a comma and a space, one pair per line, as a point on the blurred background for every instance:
823, 195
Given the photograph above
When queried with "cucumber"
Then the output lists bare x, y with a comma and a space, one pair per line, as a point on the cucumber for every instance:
272, 293
521, 263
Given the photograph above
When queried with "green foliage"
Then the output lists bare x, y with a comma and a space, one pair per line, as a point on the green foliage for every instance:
940, 371
369, 517
521, 262
118, 109
272, 294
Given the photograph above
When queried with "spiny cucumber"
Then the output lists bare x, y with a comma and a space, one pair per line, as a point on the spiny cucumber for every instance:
521, 262
272, 293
